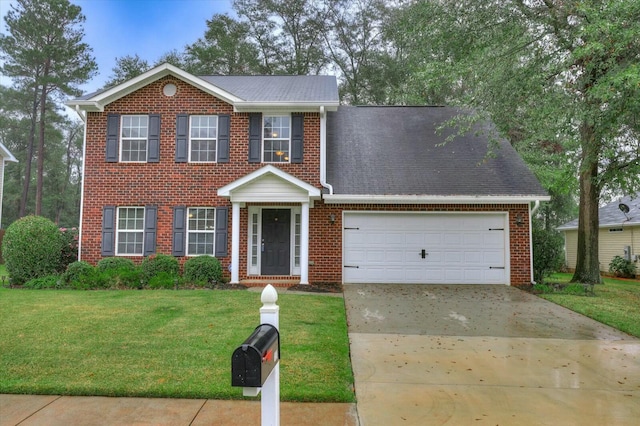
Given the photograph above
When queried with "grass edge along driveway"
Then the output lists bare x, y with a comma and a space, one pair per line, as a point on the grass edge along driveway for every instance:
616, 302
165, 343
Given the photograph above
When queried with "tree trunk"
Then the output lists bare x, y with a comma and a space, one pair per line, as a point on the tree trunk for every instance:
27, 167
40, 172
587, 263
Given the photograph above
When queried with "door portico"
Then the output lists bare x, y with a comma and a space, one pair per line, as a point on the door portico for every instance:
263, 188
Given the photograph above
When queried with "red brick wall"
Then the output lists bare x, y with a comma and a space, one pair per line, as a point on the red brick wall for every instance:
167, 183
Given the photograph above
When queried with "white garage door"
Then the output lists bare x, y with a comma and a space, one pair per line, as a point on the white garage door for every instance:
425, 248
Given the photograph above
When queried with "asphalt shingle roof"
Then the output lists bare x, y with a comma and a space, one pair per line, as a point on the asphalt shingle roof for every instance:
398, 151
611, 214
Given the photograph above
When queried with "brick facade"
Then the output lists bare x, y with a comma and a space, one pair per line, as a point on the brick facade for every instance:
167, 184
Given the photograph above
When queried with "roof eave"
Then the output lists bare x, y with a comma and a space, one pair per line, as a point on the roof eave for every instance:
267, 106
431, 199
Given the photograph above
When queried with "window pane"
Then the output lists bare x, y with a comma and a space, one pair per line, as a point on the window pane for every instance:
276, 139
201, 231
133, 136
130, 230
203, 137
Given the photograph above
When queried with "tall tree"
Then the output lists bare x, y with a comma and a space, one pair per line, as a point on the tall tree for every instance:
44, 48
288, 33
126, 68
225, 49
563, 76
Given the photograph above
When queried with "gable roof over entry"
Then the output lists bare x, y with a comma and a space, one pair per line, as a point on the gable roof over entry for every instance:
398, 154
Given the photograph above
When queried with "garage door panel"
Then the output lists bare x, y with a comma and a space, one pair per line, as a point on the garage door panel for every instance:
459, 248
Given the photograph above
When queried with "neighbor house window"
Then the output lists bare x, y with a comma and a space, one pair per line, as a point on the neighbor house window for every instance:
130, 230
200, 231
203, 138
134, 132
276, 139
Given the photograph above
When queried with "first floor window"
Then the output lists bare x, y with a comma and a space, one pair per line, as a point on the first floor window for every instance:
133, 136
200, 231
276, 133
130, 230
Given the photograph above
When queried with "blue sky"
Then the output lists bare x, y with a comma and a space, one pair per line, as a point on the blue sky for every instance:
149, 28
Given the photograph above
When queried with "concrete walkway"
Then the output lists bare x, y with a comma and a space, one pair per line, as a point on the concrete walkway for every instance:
485, 355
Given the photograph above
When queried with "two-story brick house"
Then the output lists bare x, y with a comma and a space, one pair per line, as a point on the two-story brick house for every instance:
283, 185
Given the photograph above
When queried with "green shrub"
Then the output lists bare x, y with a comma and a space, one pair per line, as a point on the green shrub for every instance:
160, 263
32, 248
111, 263
163, 280
122, 278
50, 281
69, 246
547, 253
621, 267
80, 276
203, 270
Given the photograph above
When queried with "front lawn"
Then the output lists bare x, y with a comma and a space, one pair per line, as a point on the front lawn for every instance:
165, 343
615, 303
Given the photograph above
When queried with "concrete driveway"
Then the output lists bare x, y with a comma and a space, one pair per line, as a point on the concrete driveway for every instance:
485, 355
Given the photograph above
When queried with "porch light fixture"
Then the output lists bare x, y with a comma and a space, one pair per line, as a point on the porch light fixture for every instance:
519, 219
332, 218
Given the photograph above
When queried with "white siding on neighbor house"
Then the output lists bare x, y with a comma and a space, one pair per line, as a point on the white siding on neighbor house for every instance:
270, 187
611, 244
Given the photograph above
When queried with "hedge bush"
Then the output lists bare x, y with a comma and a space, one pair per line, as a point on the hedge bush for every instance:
79, 275
156, 264
111, 263
50, 281
203, 270
621, 267
32, 248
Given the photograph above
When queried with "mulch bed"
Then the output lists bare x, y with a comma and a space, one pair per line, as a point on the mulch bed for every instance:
318, 288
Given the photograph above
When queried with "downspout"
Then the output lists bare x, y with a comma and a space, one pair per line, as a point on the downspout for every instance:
531, 213
83, 117
323, 150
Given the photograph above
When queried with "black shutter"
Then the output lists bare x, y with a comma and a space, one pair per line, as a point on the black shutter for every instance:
222, 214
113, 135
297, 138
224, 125
108, 245
182, 138
150, 229
179, 231
153, 142
255, 137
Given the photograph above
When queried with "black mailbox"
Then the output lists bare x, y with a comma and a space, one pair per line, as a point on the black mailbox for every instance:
253, 361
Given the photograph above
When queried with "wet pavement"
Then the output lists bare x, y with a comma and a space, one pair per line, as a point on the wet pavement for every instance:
495, 355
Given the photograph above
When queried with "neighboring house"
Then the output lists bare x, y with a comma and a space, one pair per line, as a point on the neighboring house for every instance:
283, 185
5, 156
619, 233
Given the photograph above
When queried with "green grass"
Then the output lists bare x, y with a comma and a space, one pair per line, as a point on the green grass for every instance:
616, 302
165, 343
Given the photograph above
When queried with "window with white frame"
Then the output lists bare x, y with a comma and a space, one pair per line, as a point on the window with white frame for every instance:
276, 134
201, 231
203, 134
133, 137
130, 231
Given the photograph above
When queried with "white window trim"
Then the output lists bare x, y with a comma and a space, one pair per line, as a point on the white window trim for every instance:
120, 138
216, 138
255, 269
264, 116
118, 230
213, 232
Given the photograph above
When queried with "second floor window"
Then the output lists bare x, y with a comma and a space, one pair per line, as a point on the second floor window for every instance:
133, 136
276, 134
203, 138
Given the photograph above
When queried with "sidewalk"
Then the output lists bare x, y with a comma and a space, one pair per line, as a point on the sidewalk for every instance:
33, 410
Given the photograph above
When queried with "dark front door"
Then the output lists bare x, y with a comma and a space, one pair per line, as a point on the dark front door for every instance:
276, 242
